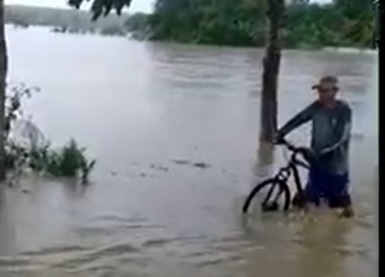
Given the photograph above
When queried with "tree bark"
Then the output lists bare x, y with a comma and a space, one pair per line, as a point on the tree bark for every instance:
271, 62
377, 32
3, 78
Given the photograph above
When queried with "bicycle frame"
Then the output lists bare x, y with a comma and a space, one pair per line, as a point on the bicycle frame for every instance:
294, 163
285, 173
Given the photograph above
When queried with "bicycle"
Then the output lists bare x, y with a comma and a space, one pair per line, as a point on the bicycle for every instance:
280, 180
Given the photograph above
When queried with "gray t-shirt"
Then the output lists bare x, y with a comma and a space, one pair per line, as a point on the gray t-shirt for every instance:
330, 133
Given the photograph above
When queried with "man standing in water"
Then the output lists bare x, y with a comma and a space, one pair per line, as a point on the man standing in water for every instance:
331, 125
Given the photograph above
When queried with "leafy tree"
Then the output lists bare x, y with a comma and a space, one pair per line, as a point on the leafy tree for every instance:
193, 21
243, 22
102, 7
360, 21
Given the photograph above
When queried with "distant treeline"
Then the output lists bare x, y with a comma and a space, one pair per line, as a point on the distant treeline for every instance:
64, 20
341, 23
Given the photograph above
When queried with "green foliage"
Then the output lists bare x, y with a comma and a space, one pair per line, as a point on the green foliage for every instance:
136, 22
228, 22
223, 22
68, 161
351, 23
102, 7
113, 31
138, 26
360, 20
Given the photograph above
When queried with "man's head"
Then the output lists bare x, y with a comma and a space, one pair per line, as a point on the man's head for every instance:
327, 89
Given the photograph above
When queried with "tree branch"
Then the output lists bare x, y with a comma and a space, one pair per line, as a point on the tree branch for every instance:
102, 7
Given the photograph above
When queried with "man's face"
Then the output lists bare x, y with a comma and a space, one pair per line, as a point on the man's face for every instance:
327, 92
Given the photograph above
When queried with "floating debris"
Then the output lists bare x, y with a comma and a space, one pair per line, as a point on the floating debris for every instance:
159, 167
201, 165
182, 162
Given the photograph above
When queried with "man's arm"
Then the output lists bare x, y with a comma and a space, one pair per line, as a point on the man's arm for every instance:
299, 119
343, 130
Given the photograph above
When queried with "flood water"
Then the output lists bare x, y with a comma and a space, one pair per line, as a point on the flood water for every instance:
139, 107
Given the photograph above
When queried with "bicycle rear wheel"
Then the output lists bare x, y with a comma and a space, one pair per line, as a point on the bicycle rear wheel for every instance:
276, 191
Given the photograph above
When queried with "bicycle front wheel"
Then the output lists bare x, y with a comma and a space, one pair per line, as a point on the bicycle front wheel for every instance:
275, 196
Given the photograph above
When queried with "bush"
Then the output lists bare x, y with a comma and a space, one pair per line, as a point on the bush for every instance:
36, 154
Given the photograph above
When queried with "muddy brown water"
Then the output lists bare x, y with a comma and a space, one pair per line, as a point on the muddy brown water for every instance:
174, 130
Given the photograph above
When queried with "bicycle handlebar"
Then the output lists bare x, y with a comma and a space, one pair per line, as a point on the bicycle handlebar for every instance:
289, 146
304, 151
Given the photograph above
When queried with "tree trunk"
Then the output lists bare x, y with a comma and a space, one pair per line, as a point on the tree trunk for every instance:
377, 32
271, 61
3, 77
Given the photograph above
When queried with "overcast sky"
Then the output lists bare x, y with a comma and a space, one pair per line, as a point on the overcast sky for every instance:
137, 5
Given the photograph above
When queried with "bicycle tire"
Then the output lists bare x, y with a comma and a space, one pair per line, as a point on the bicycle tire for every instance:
260, 186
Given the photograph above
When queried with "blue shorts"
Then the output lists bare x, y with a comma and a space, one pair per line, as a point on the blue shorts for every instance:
331, 187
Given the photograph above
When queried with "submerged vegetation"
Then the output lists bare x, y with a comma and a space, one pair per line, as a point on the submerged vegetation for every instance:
26, 147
